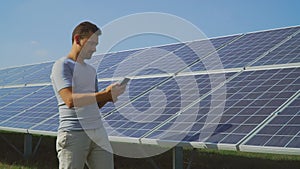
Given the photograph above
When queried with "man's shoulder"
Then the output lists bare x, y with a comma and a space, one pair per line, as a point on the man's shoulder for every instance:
63, 62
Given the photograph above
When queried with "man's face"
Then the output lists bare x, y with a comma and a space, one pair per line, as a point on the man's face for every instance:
88, 46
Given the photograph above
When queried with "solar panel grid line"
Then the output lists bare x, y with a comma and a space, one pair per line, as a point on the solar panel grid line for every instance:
172, 52
158, 84
12, 67
16, 99
137, 96
21, 74
6, 92
135, 54
11, 114
292, 139
28, 109
114, 109
164, 117
41, 75
9, 76
283, 108
283, 101
217, 71
42, 122
242, 123
260, 96
287, 53
134, 77
272, 49
277, 134
259, 85
269, 119
25, 85
11, 96
146, 92
211, 53
50, 125
251, 45
22, 79
190, 105
154, 61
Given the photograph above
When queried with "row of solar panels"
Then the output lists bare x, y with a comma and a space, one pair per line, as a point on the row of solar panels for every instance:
261, 109
260, 104
233, 51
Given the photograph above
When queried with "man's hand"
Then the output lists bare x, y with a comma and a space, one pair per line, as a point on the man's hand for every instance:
116, 90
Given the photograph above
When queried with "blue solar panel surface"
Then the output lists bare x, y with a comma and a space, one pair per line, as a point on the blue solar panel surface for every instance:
243, 51
31, 74
50, 124
156, 106
37, 107
282, 131
178, 57
16, 102
135, 88
251, 97
289, 52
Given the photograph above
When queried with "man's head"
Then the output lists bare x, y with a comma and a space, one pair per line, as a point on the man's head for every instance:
84, 30
85, 39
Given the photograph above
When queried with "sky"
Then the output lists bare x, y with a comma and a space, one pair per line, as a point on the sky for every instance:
34, 31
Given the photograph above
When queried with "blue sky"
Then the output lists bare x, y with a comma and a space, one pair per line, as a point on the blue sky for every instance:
34, 31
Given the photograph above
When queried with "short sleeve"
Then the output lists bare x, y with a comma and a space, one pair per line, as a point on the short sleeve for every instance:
61, 75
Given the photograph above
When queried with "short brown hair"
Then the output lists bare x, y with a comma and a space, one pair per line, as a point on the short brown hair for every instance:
84, 29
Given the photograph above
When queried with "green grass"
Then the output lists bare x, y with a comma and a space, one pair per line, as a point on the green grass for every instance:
204, 159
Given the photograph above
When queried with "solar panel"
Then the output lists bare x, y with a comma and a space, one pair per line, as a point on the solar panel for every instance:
153, 61
135, 88
251, 97
13, 94
20, 101
109, 62
282, 131
43, 106
157, 105
243, 51
289, 52
39, 73
49, 125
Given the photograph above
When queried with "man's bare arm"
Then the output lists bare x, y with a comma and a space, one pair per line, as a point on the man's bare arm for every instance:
83, 99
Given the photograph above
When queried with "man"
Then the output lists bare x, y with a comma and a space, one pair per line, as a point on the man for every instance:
81, 136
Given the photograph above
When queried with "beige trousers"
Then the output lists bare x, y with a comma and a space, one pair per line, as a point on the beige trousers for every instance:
75, 148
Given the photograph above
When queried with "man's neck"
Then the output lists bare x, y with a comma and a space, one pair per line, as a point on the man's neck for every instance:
74, 56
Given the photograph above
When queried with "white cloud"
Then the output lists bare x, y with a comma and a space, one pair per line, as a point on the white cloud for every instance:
41, 53
34, 42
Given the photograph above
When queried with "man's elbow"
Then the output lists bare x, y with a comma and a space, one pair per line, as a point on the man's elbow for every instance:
69, 103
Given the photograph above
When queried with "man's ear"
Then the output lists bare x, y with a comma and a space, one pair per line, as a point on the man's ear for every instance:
77, 39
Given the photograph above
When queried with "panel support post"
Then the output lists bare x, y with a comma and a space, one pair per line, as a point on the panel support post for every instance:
177, 157
27, 146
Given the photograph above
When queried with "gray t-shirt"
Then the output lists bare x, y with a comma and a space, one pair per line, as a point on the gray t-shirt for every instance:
83, 79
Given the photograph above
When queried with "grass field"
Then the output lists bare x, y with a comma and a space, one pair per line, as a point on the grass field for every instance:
45, 158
